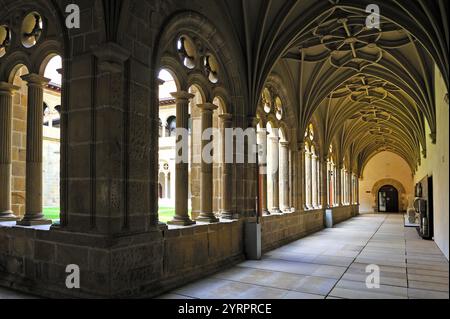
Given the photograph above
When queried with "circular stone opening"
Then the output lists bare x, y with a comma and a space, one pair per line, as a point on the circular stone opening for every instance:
5, 39
31, 30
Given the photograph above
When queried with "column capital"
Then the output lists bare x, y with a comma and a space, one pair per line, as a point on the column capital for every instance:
226, 117
207, 107
182, 96
7, 88
35, 79
284, 144
160, 82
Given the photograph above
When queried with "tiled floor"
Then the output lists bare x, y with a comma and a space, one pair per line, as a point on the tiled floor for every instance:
332, 264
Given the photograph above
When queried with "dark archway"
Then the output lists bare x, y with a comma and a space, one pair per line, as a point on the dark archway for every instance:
388, 199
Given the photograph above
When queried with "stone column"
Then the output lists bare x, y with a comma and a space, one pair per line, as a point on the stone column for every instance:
227, 170
6, 94
324, 172
292, 179
314, 181
339, 185
302, 179
181, 217
33, 201
262, 162
350, 188
274, 140
318, 182
206, 179
284, 176
167, 184
308, 180
357, 189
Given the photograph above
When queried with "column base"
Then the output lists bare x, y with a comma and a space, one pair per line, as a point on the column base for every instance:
162, 226
276, 211
181, 222
207, 219
8, 216
34, 222
227, 215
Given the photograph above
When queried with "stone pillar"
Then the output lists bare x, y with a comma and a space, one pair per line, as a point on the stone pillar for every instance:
206, 180
284, 176
262, 162
314, 181
357, 189
6, 94
308, 180
167, 184
292, 178
182, 162
33, 201
274, 173
302, 179
227, 170
339, 185
324, 173
350, 188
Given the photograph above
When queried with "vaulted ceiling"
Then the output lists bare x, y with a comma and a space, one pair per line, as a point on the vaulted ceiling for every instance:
368, 90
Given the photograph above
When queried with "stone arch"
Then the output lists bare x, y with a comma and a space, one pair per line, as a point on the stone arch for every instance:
171, 65
214, 42
402, 196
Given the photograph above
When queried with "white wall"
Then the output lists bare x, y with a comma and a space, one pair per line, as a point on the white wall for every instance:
436, 165
381, 166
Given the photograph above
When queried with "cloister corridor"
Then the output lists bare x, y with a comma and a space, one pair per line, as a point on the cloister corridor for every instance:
228, 149
332, 264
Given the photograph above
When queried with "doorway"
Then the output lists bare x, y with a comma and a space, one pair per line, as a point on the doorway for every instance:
388, 199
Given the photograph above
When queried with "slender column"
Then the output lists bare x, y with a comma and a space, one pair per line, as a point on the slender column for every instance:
339, 184
317, 190
182, 161
206, 181
167, 183
302, 179
227, 170
314, 180
274, 140
357, 189
324, 172
33, 187
292, 178
284, 175
262, 161
308, 179
6, 94
350, 189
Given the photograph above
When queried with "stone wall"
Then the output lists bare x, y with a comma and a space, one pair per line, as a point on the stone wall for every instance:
139, 265
343, 213
145, 265
280, 229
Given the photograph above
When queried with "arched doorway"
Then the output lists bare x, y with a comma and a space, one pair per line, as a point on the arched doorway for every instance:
388, 199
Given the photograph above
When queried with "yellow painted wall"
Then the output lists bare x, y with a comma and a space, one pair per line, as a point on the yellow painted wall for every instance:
384, 165
436, 165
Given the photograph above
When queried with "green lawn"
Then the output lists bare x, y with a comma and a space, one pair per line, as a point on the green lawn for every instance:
165, 213
51, 213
